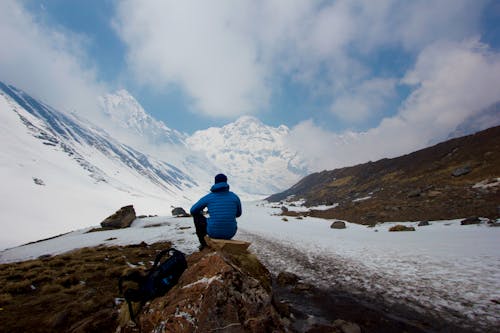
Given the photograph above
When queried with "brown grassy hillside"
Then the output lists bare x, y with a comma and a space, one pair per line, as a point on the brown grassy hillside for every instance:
72, 292
417, 186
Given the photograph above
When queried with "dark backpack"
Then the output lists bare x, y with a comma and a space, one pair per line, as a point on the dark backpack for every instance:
158, 280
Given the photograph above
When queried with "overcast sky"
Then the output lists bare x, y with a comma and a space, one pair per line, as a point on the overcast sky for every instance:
375, 77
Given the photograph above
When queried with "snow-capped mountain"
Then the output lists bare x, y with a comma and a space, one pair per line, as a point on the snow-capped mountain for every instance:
252, 153
131, 121
59, 172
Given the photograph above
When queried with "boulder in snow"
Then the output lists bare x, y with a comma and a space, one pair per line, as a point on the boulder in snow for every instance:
471, 220
338, 225
179, 212
123, 218
400, 227
423, 223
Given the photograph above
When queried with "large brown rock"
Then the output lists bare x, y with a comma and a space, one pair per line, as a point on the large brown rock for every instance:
123, 218
219, 291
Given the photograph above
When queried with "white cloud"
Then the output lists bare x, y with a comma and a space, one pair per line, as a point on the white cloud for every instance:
365, 101
453, 81
202, 46
228, 55
46, 62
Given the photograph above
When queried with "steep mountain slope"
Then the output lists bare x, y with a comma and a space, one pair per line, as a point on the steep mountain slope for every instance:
131, 121
59, 172
253, 154
453, 179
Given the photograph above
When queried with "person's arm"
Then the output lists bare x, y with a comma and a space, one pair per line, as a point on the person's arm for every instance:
199, 206
238, 207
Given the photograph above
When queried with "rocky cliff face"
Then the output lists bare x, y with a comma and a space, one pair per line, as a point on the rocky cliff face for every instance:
218, 292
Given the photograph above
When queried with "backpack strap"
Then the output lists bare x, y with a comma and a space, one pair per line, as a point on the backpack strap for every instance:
159, 256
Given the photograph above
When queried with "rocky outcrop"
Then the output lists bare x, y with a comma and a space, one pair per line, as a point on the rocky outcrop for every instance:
123, 218
219, 291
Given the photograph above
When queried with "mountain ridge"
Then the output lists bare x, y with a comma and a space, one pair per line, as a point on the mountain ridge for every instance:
456, 178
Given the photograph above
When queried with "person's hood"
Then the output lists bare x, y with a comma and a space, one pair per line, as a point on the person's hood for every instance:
220, 187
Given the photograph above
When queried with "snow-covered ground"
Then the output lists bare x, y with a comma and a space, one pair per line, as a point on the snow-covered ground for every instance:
446, 269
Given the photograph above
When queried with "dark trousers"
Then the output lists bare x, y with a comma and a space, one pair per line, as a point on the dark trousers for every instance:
200, 223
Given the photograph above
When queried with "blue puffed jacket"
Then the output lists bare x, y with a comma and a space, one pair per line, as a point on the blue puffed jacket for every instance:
223, 207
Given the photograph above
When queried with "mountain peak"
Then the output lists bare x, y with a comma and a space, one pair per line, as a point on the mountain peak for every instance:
127, 114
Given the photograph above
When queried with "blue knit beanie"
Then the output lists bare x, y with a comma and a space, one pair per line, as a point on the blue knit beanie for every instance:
220, 178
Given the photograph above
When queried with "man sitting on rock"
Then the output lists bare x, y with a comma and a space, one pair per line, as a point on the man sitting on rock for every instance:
223, 208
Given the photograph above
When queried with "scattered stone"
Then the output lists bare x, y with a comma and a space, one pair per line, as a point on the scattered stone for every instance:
346, 326
179, 212
284, 219
123, 218
142, 216
414, 193
400, 227
299, 217
493, 223
284, 209
461, 171
470, 220
338, 225
38, 181
287, 278
423, 223
110, 239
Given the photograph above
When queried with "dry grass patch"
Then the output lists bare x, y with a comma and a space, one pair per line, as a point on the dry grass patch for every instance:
75, 291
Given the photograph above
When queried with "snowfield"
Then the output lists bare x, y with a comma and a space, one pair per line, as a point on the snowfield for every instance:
444, 269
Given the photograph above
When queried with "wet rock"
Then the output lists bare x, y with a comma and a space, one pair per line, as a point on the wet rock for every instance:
461, 171
122, 218
400, 227
338, 225
282, 307
302, 287
287, 279
179, 212
470, 220
423, 223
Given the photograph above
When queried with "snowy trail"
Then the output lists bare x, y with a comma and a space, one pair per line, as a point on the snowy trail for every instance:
444, 271
424, 288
